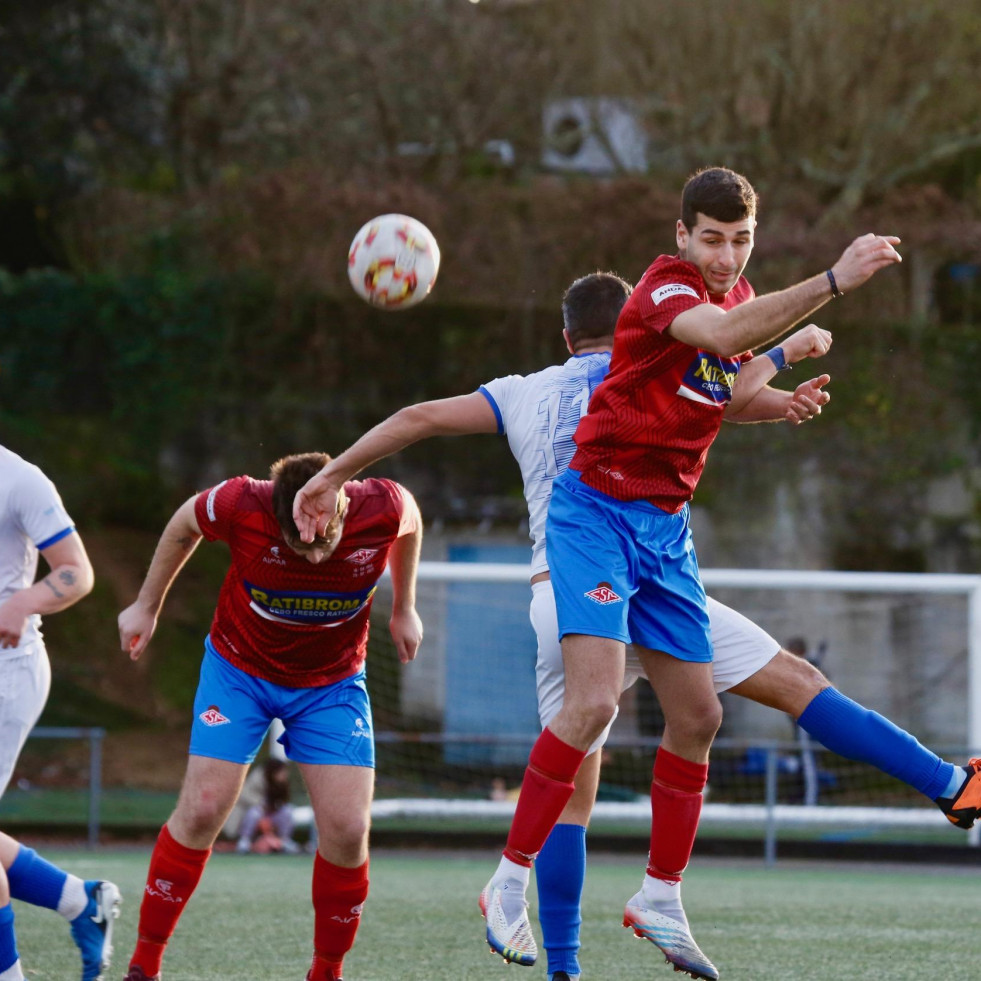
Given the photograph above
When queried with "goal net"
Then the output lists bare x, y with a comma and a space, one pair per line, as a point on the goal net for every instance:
454, 727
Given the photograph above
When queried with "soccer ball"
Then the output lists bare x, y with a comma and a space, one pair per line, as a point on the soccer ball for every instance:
393, 262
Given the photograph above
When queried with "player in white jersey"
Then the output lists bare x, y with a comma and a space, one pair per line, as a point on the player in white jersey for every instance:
33, 521
539, 413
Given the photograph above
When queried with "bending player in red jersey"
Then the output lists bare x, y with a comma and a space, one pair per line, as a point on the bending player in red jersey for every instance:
288, 641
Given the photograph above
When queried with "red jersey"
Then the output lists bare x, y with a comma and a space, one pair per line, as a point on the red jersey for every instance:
652, 419
280, 617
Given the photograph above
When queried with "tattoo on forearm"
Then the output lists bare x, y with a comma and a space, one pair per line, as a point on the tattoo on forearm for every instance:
67, 577
53, 588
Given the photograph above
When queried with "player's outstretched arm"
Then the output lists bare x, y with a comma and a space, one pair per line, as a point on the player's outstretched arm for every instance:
808, 342
179, 540
316, 502
70, 579
775, 405
405, 624
756, 322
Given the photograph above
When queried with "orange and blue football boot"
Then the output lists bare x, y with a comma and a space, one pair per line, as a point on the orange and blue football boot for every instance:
964, 808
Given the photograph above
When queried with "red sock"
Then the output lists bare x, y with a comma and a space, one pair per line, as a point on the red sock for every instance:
676, 804
545, 790
339, 894
174, 873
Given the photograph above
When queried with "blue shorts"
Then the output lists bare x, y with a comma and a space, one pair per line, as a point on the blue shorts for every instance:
233, 710
625, 570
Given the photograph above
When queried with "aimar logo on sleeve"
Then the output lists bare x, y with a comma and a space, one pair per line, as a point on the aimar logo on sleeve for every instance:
603, 594
212, 716
663, 293
361, 729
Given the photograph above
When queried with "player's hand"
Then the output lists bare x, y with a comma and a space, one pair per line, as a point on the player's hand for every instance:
808, 342
406, 629
807, 400
314, 506
12, 623
863, 258
136, 627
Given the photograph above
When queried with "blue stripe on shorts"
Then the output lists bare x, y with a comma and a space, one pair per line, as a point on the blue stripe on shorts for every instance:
625, 570
325, 725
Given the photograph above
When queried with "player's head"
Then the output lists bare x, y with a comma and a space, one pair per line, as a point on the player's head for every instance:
288, 475
590, 308
717, 224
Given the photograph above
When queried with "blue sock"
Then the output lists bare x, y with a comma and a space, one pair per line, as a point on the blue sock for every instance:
8, 942
857, 733
560, 871
35, 880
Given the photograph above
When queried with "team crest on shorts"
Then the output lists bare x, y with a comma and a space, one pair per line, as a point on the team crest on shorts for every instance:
213, 717
603, 594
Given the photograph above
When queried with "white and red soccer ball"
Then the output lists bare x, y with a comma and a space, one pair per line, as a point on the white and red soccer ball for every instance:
393, 262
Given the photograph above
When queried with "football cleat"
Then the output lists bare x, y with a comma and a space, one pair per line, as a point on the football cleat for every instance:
563, 976
964, 807
670, 936
92, 928
513, 941
136, 974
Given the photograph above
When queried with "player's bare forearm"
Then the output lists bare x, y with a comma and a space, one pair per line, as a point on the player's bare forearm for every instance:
62, 587
751, 379
70, 578
457, 416
177, 543
405, 624
807, 342
403, 563
775, 405
180, 538
767, 405
762, 320
316, 500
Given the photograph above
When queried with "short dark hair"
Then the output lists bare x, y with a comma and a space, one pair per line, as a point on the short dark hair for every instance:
718, 193
288, 475
591, 306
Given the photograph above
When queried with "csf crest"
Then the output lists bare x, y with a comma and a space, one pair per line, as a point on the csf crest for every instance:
604, 594
212, 716
362, 556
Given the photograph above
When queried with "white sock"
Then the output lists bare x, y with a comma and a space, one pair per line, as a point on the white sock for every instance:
665, 897
959, 775
13, 973
511, 870
512, 879
73, 899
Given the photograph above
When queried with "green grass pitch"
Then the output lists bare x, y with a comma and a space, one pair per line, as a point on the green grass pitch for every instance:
251, 920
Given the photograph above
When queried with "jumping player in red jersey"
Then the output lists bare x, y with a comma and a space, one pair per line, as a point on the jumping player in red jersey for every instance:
288, 641
620, 552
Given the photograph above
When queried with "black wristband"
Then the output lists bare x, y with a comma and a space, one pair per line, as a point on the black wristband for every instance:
835, 292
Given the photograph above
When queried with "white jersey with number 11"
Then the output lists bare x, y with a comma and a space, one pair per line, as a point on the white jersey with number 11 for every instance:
539, 414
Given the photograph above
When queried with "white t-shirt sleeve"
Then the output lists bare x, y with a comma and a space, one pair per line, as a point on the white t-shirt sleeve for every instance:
499, 394
37, 508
